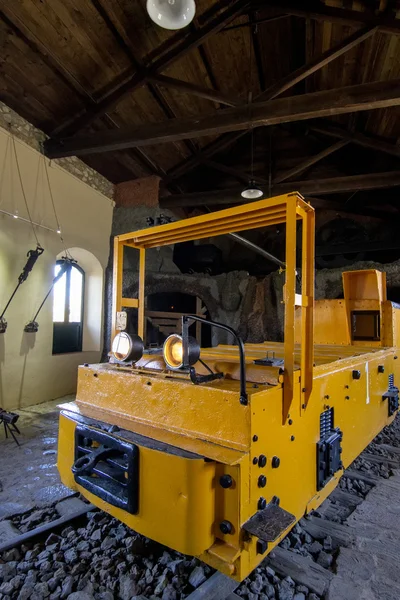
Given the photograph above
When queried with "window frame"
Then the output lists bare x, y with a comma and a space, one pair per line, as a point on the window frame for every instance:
67, 306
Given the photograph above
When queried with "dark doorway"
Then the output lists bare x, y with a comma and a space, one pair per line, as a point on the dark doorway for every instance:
161, 321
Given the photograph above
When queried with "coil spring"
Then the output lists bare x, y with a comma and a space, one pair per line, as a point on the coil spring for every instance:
391, 380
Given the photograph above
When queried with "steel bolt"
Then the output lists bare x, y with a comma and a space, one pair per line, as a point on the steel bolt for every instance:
255, 460
356, 374
262, 503
262, 481
290, 422
226, 527
347, 397
255, 438
276, 461
226, 481
292, 438
262, 461
381, 368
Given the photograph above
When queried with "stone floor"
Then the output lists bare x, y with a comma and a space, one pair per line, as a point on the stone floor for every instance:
28, 474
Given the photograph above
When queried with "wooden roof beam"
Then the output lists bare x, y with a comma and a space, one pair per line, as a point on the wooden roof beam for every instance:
333, 185
322, 12
355, 98
194, 90
357, 138
272, 92
189, 42
309, 162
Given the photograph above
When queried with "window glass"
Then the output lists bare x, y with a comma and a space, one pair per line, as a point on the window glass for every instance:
59, 296
75, 296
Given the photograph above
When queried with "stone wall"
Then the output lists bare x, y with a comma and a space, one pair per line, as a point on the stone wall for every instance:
23, 130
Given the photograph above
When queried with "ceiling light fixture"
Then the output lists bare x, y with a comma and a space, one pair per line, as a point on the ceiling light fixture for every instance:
252, 191
171, 14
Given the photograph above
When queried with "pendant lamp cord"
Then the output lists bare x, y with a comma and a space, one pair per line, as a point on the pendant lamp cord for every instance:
250, 96
23, 190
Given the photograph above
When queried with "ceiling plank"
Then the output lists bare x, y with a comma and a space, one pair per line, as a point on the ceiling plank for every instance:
312, 160
350, 183
357, 138
188, 43
272, 92
195, 90
322, 12
349, 99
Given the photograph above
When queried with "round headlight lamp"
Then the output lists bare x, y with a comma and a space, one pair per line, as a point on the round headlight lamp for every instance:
176, 356
127, 347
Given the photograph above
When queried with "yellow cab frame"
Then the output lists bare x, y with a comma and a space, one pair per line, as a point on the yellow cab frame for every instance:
213, 477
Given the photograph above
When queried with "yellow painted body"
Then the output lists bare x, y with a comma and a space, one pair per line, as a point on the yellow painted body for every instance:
181, 501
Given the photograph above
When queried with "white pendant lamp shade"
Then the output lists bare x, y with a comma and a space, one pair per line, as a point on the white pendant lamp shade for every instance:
252, 191
171, 14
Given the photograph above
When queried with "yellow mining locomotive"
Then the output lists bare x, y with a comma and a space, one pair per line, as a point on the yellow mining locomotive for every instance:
217, 452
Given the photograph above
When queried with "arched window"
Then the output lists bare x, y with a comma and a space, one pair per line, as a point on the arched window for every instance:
68, 294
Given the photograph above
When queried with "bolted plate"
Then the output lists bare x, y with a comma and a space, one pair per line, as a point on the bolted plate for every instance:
270, 523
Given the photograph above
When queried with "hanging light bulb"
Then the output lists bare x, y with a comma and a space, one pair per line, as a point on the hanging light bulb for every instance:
171, 14
16, 215
251, 191
59, 231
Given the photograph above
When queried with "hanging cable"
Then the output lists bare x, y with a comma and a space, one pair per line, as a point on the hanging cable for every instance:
23, 191
59, 230
32, 255
33, 325
3, 168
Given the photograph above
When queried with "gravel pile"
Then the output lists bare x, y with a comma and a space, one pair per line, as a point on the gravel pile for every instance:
105, 560
265, 584
102, 561
390, 435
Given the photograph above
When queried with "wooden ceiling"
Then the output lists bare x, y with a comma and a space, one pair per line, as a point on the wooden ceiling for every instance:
106, 83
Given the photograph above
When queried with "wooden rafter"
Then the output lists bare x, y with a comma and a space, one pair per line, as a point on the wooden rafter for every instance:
188, 43
282, 110
309, 162
138, 65
318, 11
281, 86
357, 138
195, 90
331, 185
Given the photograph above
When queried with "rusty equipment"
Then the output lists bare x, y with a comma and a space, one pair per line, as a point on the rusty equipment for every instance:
218, 452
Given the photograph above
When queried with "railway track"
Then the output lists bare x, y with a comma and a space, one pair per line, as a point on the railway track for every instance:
348, 543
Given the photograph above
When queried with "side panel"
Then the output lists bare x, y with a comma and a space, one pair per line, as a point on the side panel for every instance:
359, 412
176, 495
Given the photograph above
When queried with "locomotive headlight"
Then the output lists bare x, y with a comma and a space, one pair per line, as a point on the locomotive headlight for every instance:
127, 348
176, 355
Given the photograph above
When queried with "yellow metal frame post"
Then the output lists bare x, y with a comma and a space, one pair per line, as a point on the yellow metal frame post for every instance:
307, 308
119, 302
142, 299
118, 263
289, 299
